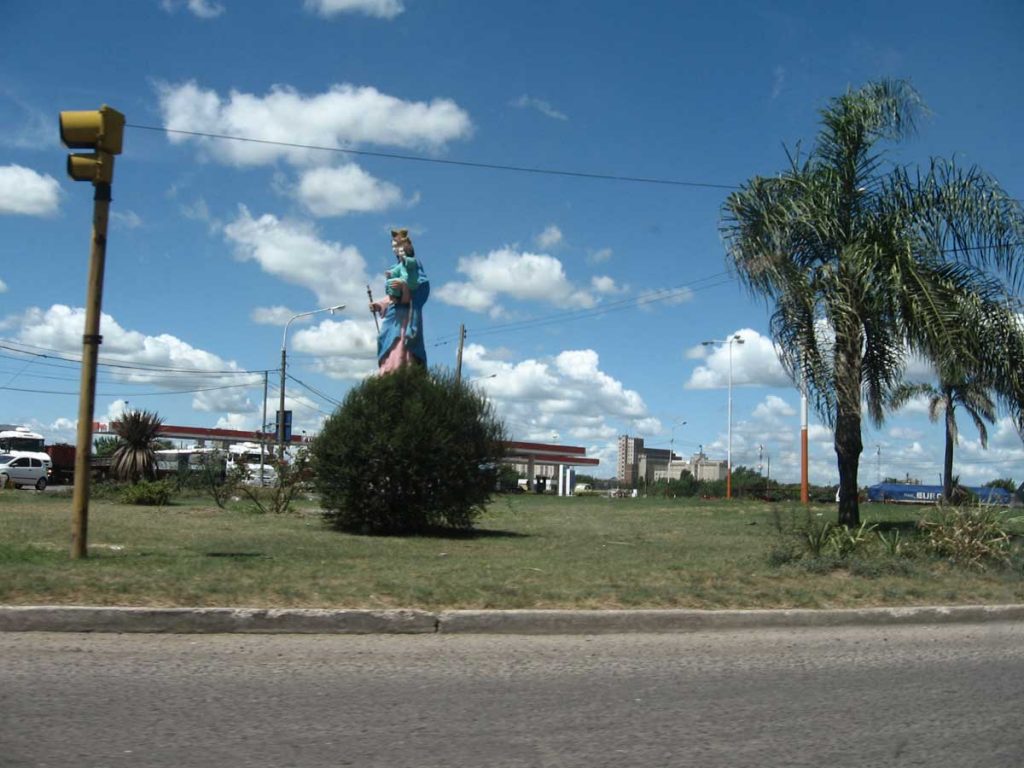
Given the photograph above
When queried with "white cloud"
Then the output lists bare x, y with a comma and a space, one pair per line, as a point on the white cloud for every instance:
754, 363
916, 406
293, 252
568, 394
529, 102
599, 256
671, 296
774, 409
604, 284
647, 425
277, 315
467, 296
343, 116
116, 410
33, 131
382, 9
344, 350
225, 386
204, 9
550, 237
23, 191
3, 287
346, 189
526, 276
126, 219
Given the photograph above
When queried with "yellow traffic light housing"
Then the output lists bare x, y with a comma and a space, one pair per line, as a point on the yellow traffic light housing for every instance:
101, 130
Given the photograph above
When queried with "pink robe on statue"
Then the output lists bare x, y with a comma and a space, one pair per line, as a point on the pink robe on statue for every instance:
399, 354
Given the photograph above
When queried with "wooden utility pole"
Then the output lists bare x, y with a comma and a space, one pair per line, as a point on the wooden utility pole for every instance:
91, 340
102, 131
458, 363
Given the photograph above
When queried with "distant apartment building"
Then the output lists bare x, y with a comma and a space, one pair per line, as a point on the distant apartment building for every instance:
630, 450
638, 463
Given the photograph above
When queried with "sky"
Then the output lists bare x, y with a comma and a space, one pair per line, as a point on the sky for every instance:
585, 294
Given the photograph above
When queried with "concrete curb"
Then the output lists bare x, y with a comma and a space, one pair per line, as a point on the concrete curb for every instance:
33, 618
528, 622
183, 621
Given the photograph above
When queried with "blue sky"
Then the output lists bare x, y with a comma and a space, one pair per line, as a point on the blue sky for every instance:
585, 300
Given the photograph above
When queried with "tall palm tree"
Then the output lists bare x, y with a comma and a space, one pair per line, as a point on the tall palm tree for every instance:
866, 262
972, 396
135, 459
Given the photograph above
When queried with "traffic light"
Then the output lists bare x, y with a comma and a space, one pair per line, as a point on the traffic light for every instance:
101, 130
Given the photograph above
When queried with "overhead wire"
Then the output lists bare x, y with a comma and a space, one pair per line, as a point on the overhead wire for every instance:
164, 393
315, 391
436, 160
55, 354
652, 297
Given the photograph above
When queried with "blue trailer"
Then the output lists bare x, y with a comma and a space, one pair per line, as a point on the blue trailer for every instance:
906, 493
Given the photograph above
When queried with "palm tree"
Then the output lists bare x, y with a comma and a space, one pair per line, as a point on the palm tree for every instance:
972, 396
866, 263
134, 459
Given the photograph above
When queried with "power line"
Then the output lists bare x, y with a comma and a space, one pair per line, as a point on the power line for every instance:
55, 354
437, 160
315, 391
136, 394
663, 294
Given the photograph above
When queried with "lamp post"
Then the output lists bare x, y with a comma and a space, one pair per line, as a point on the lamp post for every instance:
671, 448
735, 338
284, 364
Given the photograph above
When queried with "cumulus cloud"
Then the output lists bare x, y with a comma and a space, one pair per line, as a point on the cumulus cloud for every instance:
382, 9
346, 189
204, 9
344, 349
773, 408
276, 315
567, 394
550, 237
223, 383
599, 256
604, 284
25, 192
519, 275
116, 410
293, 252
468, 296
754, 363
344, 116
539, 105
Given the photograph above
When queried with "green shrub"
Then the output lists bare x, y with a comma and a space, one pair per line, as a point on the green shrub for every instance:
154, 493
408, 452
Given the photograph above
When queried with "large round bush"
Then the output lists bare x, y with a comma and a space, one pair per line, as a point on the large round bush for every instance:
408, 452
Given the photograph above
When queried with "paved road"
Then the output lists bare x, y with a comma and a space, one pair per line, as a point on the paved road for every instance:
921, 696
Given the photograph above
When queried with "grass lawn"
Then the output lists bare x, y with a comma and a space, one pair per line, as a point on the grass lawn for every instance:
528, 552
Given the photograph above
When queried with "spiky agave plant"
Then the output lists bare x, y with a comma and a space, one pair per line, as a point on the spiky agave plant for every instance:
135, 459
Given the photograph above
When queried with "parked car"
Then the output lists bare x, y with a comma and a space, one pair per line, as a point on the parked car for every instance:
20, 471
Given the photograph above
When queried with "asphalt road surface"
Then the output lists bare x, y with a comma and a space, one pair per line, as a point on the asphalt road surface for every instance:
931, 696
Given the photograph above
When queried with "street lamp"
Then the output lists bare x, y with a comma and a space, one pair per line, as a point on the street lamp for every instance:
671, 447
728, 466
284, 364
